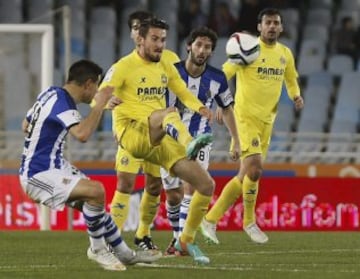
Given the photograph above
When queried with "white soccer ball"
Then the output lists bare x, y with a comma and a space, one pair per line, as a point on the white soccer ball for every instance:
242, 48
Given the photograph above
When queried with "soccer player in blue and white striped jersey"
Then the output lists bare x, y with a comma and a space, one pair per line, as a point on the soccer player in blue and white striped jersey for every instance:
210, 86
48, 178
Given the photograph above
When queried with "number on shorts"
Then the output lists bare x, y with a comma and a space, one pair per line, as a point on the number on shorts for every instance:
201, 155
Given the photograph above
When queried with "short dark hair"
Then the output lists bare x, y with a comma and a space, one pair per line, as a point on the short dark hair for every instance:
83, 70
202, 31
154, 22
140, 16
269, 12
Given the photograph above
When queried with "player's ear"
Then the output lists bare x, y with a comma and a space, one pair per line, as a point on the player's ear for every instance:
188, 48
140, 40
259, 27
88, 83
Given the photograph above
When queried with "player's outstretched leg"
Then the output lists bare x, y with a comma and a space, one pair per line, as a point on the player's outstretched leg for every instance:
193, 148
208, 230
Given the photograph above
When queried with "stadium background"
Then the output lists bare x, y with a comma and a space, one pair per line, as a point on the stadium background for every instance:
313, 153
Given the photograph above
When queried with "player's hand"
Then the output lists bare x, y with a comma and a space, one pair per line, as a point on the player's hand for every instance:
206, 112
219, 116
298, 102
25, 125
102, 97
235, 151
113, 102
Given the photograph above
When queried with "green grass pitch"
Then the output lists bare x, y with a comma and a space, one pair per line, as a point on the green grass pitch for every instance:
287, 255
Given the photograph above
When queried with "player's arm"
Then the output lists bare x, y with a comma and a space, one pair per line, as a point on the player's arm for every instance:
230, 69
84, 129
113, 79
225, 102
24, 125
230, 123
291, 82
26, 121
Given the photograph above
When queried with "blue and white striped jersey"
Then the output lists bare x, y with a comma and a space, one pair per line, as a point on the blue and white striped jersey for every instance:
209, 87
50, 118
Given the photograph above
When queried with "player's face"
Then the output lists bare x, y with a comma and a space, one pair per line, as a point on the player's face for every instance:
153, 44
270, 28
200, 50
134, 33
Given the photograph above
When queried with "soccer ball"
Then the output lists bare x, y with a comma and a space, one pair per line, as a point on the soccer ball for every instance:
242, 48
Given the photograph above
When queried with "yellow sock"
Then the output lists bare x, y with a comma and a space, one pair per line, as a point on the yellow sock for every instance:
120, 208
198, 207
250, 192
176, 129
229, 195
148, 208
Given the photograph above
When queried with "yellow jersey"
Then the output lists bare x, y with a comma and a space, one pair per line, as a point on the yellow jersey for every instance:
169, 56
258, 85
142, 85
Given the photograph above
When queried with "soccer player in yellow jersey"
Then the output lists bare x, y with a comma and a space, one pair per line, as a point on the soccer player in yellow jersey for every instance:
256, 99
210, 86
150, 131
127, 167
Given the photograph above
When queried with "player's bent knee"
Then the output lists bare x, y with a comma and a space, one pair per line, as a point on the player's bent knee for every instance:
125, 183
211, 186
97, 192
174, 196
153, 185
153, 189
171, 109
255, 174
207, 187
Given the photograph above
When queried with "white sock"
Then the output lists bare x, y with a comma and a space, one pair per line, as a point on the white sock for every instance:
173, 212
184, 209
94, 219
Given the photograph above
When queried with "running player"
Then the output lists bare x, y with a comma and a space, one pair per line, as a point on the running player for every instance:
257, 96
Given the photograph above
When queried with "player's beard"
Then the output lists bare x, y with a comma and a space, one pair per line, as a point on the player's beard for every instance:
196, 61
271, 38
152, 57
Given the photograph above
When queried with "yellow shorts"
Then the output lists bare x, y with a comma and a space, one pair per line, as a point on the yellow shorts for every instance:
125, 162
136, 140
255, 135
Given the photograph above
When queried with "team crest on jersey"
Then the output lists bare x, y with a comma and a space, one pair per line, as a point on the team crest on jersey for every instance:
255, 142
282, 60
124, 161
164, 79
